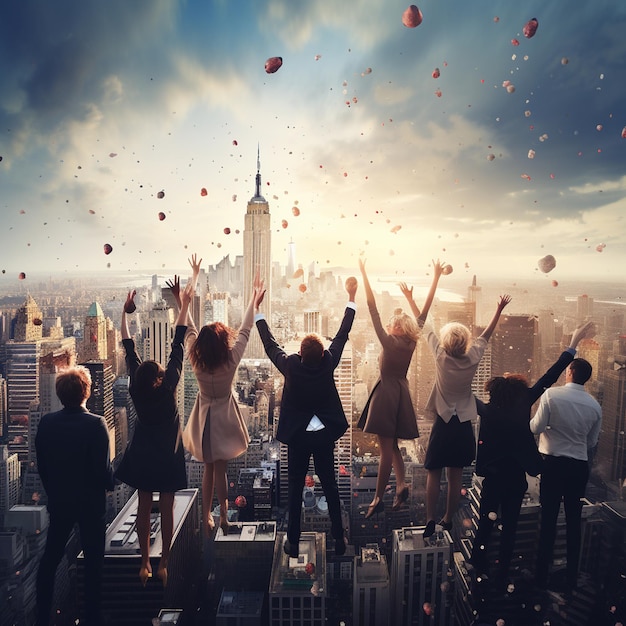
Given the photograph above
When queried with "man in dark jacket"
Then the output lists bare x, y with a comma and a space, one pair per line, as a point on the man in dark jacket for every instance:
311, 417
74, 464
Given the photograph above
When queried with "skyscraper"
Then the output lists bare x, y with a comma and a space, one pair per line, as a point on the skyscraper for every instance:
257, 256
95, 345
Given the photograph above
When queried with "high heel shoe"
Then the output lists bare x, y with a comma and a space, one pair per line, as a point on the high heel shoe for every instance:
144, 574
401, 497
379, 507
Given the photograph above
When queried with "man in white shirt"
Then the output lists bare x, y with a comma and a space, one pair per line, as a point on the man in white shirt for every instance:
568, 423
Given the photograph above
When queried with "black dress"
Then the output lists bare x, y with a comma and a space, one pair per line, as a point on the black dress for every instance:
154, 460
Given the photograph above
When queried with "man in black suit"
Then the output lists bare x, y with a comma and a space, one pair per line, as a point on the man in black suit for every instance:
311, 417
74, 464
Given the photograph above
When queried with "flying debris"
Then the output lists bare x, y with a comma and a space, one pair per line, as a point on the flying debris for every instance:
161, 216
284, 223
531, 154
515, 42
273, 64
546, 264
530, 28
22, 276
491, 157
317, 57
447, 269
203, 192
436, 73
564, 61
112, 154
227, 231
234, 142
412, 17
624, 132
600, 247
161, 195
555, 283
438, 93
302, 287
108, 248
395, 229
296, 211
299, 272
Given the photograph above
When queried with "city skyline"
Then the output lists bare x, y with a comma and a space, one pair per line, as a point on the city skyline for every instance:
103, 108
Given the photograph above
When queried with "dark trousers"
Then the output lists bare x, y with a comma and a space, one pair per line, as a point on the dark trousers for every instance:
299, 452
566, 479
92, 531
504, 491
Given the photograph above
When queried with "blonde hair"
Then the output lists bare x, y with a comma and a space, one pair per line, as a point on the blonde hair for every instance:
405, 323
455, 339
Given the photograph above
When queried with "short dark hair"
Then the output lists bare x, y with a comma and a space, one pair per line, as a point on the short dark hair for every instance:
73, 386
311, 350
581, 371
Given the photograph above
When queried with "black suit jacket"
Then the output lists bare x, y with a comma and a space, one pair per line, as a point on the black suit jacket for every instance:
73, 460
309, 390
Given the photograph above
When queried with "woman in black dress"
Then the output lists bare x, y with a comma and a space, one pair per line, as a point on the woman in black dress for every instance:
154, 459
507, 452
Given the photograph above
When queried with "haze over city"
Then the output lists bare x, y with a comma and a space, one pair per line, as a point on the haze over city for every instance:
103, 106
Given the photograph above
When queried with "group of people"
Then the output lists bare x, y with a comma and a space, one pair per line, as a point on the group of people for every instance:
311, 420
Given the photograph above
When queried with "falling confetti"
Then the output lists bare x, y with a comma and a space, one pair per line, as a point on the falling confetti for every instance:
317, 57
273, 64
234, 142
296, 211
525, 176
515, 42
92, 212
22, 276
530, 28
234, 197
600, 247
395, 229
203, 192
527, 113
436, 73
624, 132
284, 223
302, 287
438, 93
491, 157
412, 17
161, 195
161, 215
108, 248
510, 88
599, 127
227, 231
564, 61
447, 269
299, 272
112, 154
555, 283
241, 502
367, 70
546, 264
496, 19
531, 154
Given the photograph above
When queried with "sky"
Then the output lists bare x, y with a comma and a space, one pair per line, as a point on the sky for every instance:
105, 104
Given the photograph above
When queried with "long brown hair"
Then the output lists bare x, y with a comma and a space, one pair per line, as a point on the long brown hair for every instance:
212, 346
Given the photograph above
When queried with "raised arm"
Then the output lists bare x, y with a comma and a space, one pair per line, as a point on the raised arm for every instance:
195, 269
584, 331
438, 270
502, 302
129, 307
369, 294
187, 295
256, 297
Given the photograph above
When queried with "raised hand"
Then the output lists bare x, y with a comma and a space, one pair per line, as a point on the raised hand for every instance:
188, 293
407, 291
195, 265
504, 301
174, 286
129, 305
584, 331
441, 267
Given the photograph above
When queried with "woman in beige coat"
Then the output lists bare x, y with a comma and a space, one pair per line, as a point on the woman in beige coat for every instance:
216, 431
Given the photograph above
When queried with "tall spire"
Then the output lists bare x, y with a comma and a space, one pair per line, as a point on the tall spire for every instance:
258, 198
258, 172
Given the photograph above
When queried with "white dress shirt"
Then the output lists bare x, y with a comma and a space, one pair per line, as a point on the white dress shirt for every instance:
568, 422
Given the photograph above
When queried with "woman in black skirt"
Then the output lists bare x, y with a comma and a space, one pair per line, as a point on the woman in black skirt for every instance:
154, 459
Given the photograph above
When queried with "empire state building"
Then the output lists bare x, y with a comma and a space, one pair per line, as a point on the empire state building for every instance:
257, 247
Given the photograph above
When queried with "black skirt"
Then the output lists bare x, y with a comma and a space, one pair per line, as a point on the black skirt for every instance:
451, 444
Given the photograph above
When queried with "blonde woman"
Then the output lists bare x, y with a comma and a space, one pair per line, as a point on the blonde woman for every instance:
453, 408
389, 411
